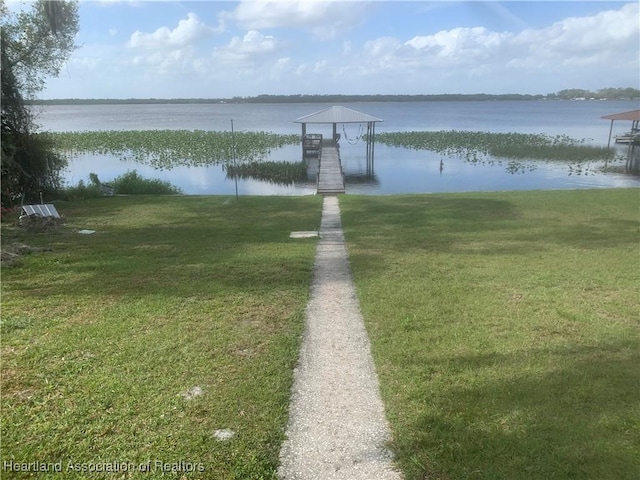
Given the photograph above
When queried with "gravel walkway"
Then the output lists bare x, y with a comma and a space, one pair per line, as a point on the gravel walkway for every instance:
337, 427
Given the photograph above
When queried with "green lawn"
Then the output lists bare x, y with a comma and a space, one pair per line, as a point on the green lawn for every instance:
179, 317
504, 328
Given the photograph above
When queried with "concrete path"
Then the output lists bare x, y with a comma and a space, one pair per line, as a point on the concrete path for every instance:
337, 427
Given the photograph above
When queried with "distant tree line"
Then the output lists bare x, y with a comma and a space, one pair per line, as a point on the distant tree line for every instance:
602, 94
569, 94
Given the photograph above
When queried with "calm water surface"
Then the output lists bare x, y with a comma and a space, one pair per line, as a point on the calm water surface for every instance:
396, 170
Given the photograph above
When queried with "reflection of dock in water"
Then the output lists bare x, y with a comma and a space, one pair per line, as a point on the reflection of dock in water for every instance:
313, 167
361, 179
357, 177
330, 175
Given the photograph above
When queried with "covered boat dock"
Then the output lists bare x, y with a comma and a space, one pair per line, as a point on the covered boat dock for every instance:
633, 116
331, 175
632, 137
338, 114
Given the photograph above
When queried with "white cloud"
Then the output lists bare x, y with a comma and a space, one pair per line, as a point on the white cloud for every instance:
381, 46
324, 18
189, 30
320, 66
171, 51
88, 62
248, 51
583, 40
456, 47
610, 38
165, 62
278, 51
347, 48
282, 66
93, 58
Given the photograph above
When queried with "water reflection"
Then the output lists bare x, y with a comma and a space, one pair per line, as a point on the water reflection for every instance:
369, 179
399, 170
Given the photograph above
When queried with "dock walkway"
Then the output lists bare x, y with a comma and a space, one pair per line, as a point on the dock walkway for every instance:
330, 177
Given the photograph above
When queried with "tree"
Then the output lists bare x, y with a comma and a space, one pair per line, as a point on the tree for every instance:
35, 44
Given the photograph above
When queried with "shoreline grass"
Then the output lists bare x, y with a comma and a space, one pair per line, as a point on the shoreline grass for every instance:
178, 319
279, 173
504, 328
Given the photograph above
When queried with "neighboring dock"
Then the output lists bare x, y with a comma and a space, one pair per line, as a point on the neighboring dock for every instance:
330, 176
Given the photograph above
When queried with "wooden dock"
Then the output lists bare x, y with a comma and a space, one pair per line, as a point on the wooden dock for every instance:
330, 176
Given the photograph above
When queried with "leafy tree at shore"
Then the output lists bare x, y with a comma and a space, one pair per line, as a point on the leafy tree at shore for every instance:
35, 45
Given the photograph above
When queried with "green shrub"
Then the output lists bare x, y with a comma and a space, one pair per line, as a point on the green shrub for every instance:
132, 183
81, 191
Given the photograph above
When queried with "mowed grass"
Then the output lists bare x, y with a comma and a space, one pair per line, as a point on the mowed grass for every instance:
504, 328
179, 317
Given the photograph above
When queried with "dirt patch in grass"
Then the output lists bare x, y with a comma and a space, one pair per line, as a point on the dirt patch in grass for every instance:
12, 253
15, 229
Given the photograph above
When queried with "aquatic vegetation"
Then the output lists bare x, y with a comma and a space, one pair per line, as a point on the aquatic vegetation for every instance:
166, 149
170, 148
478, 146
283, 173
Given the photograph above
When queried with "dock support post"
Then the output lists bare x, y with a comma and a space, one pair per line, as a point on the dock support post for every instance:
610, 131
304, 132
371, 128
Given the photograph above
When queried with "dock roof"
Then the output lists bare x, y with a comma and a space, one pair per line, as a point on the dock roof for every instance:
633, 115
337, 114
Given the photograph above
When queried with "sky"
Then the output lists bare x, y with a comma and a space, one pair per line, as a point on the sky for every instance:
207, 49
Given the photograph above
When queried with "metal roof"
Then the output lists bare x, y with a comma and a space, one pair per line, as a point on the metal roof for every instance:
633, 115
337, 115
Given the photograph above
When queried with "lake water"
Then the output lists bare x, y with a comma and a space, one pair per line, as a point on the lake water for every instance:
396, 170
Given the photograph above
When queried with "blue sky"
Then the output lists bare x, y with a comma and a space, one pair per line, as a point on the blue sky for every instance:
143, 49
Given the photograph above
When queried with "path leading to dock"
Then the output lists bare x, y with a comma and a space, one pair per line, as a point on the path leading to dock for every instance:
337, 426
